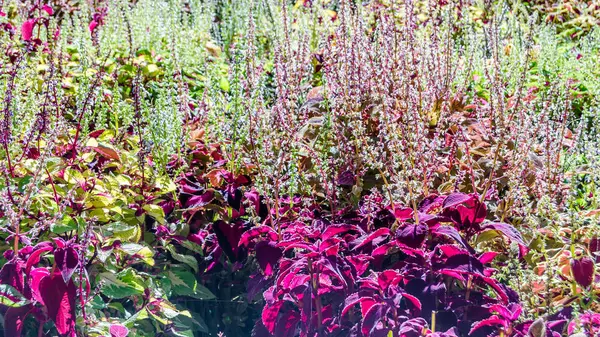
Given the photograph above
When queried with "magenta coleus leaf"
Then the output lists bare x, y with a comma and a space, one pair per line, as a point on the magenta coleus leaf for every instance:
583, 271
228, 236
381, 232
66, 261
14, 319
490, 321
287, 324
464, 263
35, 256
12, 274
27, 29
412, 235
32, 289
59, 299
510, 232
267, 254
202, 200
270, 314
456, 199
594, 248
117, 330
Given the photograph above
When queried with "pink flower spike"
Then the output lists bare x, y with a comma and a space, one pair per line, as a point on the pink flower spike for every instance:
2, 13
48, 9
27, 29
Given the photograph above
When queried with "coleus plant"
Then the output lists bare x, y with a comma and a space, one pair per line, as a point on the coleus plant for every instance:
47, 294
373, 271
377, 271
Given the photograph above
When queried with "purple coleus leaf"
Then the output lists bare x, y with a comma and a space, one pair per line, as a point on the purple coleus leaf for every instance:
32, 288
376, 235
35, 256
510, 232
59, 299
413, 327
464, 263
373, 315
456, 199
66, 261
492, 321
270, 314
287, 324
452, 233
14, 319
257, 232
583, 271
466, 210
199, 201
412, 235
594, 248
12, 274
267, 254
228, 237
256, 200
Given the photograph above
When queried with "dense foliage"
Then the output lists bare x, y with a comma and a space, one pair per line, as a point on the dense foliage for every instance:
311, 168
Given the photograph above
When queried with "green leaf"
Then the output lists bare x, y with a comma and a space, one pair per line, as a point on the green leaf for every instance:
224, 84
486, 236
124, 232
11, 297
156, 212
66, 224
184, 283
138, 316
144, 252
124, 284
187, 259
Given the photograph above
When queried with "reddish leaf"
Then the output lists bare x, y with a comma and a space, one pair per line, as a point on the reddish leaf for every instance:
257, 232
59, 299
270, 314
267, 254
228, 237
12, 274
456, 199
491, 321
487, 257
381, 232
412, 235
594, 248
583, 271
96, 134
371, 317
287, 324
202, 200
107, 152
464, 263
35, 256
66, 261
33, 286
337, 229
351, 301
14, 318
